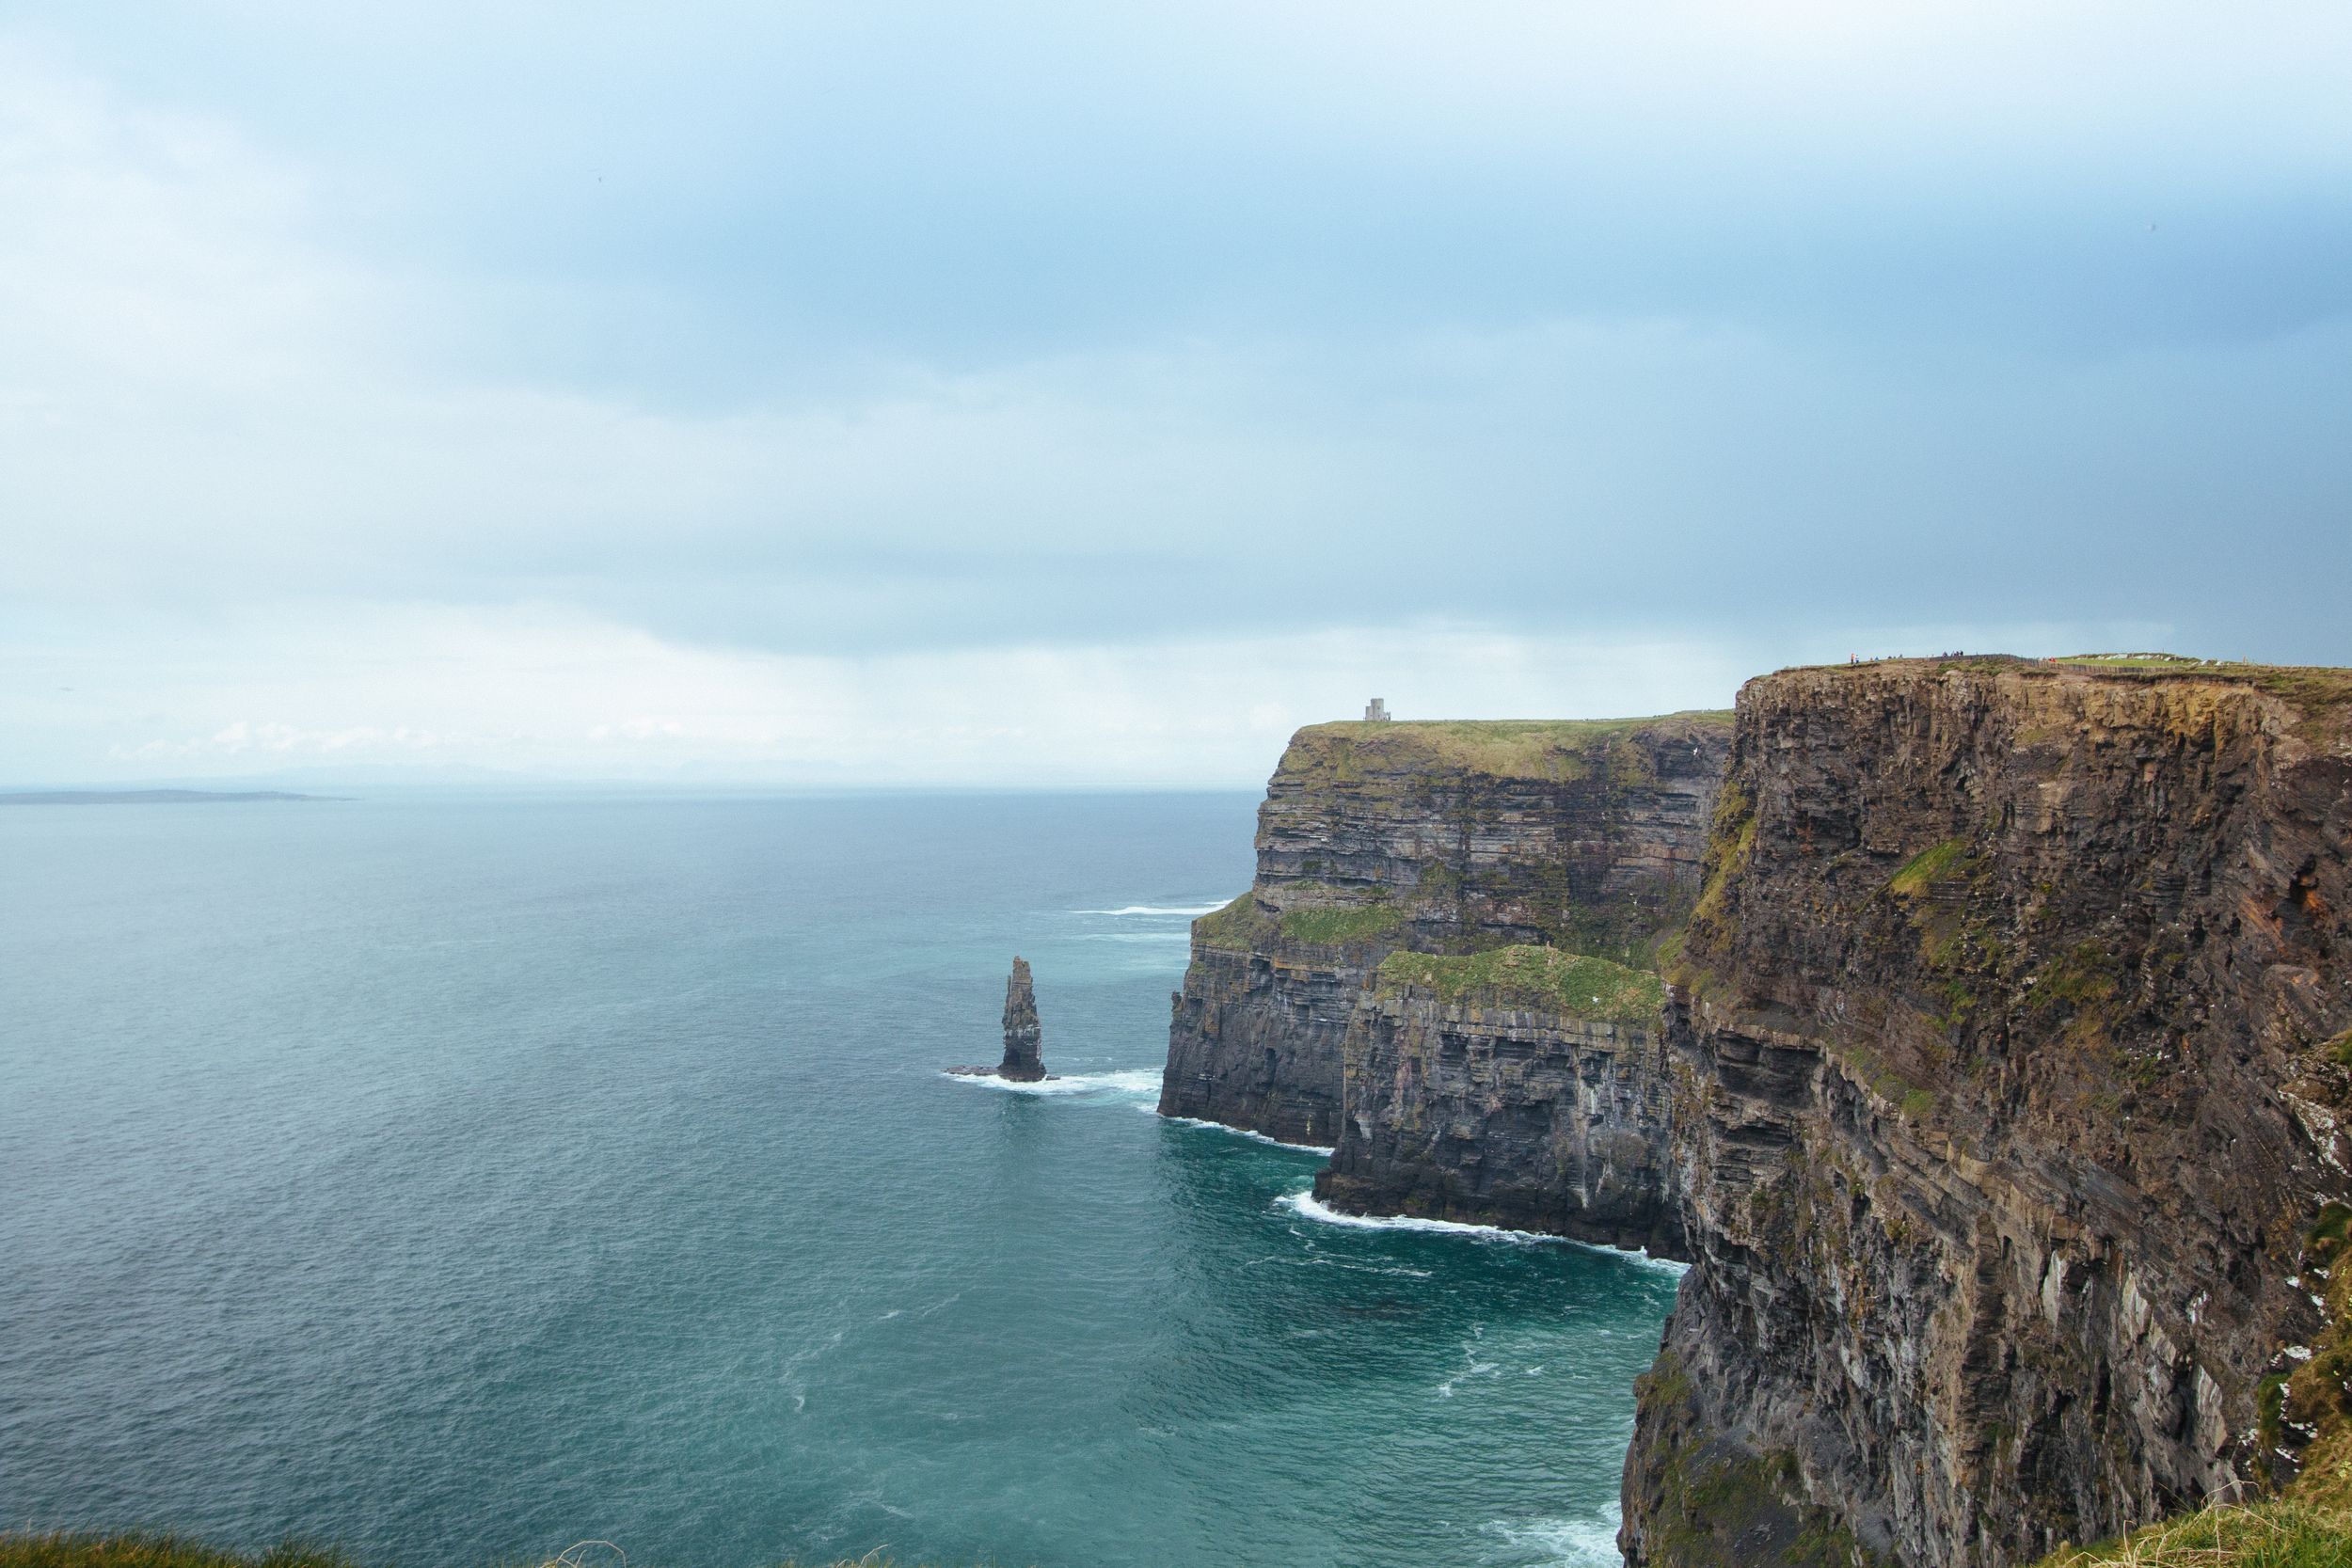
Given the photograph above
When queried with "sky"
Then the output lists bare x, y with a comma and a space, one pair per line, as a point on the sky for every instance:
1071, 395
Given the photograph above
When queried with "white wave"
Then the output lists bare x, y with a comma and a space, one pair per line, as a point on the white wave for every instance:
1153, 908
1307, 1204
1246, 1133
1136, 1081
1352, 1268
1476, 1368
1135, 936
1561, 1542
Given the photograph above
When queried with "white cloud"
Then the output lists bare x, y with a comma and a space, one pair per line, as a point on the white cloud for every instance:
542, 691
545, 691
1136, 554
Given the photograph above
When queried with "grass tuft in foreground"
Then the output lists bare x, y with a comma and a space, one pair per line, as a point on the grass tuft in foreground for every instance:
2279, 1534
137, 1549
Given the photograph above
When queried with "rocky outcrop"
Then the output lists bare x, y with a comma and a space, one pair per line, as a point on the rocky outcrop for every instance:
1436, 838
2004, 1087
1023, 1063
1524, 1087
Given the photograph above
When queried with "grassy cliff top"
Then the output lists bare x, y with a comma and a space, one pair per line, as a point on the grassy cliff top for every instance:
2308, 677
2267, 1535
1542, 978
1496, 748
2316, 699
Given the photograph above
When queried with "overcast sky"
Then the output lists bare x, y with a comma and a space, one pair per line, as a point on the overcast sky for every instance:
1026, 392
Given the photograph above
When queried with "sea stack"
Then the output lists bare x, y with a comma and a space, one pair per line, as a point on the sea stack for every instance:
1021, 1061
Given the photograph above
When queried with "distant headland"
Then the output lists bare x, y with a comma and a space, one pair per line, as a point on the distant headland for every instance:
149, 797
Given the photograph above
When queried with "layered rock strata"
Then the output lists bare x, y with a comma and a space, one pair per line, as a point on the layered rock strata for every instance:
1377, 838
2002, 1060
1023, 1059
1525, 1089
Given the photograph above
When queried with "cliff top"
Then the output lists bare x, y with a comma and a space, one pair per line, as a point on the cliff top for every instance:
2318, 699
2327, 682
1497, 748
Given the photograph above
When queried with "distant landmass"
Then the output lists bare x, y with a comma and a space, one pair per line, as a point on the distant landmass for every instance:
149, 797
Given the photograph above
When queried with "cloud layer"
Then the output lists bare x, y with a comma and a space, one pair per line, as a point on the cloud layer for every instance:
783, 387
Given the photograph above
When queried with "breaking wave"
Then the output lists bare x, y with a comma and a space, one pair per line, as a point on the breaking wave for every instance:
1158, 909
1134, 1081
1308, 1206
1560, 1542
1246, 1133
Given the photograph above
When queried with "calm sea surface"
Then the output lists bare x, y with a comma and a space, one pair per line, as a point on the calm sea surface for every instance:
461, 1179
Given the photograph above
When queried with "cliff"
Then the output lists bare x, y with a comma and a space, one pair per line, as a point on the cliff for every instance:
1433, 838
1523, 1088
2005, 1055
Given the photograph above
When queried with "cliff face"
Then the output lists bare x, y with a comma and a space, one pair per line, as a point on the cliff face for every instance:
1525, 1087
1376, 838
2002, 1062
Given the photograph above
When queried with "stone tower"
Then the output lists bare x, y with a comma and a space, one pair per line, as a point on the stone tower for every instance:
1022, 1034
1377, 712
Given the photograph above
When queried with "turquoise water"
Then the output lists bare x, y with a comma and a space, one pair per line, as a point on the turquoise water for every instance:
462, 1178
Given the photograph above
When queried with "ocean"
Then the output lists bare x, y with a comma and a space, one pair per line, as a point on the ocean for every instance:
460, 1178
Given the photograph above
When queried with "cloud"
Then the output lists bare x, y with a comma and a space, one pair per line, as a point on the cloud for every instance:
877, 353
545, 690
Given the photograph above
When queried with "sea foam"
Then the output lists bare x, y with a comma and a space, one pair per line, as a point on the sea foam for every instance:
1310, 1207
1134, 1081
1246, 1133
1563, 1542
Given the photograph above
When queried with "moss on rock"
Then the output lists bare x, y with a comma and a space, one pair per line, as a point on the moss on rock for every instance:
1545, 978
1335, 924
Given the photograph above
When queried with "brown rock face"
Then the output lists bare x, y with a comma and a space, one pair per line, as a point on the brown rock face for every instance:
1517, 1116
2003, 1093
1023, 1060
1432, 839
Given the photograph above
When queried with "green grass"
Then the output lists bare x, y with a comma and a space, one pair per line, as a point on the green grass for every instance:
74, 1550
1495, 748
1343, 923
1929, 865
1238, 926
68, 1550
2082, 977
2280, 1534
2140, 661
1544, 978
1730, 840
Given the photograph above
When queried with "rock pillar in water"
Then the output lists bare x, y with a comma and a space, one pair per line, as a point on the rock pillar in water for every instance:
1022, 1034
